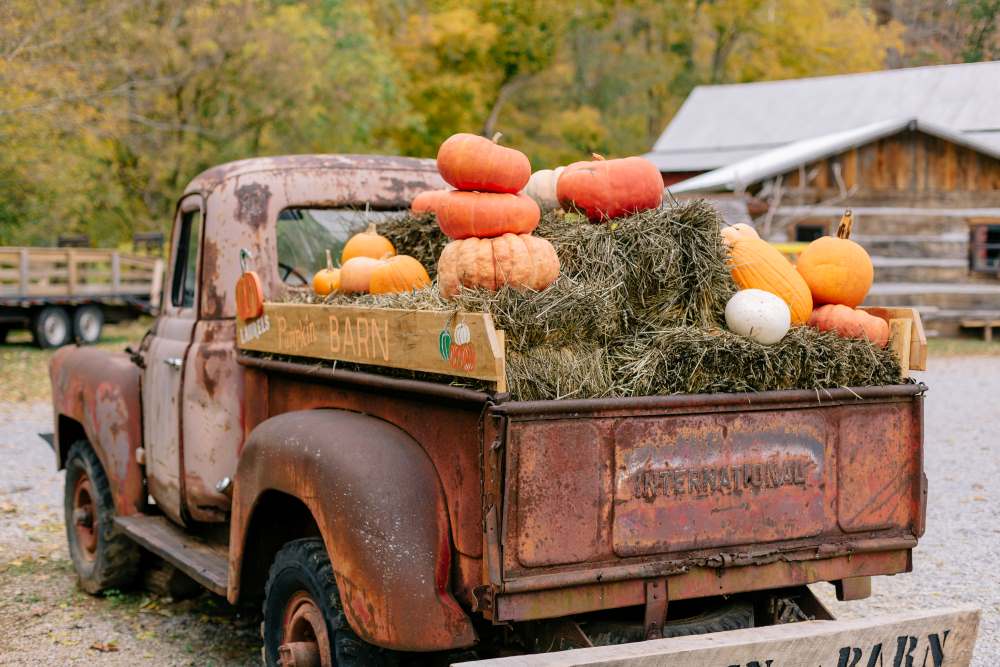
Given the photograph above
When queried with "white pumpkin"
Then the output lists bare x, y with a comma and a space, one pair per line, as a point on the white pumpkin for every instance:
759, 315
542, 187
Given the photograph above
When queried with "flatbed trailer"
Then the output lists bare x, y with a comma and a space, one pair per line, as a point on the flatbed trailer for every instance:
65, 294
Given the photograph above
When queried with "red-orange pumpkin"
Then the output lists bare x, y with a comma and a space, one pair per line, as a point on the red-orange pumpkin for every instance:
520, 261
471, 162
249, 296
851, 323
462, 215
426, 202
604, 189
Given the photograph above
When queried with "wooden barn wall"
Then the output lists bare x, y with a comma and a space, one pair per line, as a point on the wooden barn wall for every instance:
909, 167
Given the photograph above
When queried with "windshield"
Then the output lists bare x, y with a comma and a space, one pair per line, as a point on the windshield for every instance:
304, 234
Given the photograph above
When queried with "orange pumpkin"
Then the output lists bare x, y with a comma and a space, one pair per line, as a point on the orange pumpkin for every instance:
368, 243
520, 261
400, 273
486, 214
756, 264
471, 162
426, 202
249, 296
739, 230
604, 189
326, 280
837, 270
851, 323
356, 274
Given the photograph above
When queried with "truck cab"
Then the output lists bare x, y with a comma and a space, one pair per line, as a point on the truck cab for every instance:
376, 515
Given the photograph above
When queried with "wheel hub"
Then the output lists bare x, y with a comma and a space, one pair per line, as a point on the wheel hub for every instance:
84, 511
306, 642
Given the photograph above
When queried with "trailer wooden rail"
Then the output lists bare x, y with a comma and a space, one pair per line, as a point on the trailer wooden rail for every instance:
27, 273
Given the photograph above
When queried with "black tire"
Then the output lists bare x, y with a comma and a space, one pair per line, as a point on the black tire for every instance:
51, 327
303, 567
3, 334
88, 321
110, 560
728, 615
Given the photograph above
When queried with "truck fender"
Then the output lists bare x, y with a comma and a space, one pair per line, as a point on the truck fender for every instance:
95, 395
378, 504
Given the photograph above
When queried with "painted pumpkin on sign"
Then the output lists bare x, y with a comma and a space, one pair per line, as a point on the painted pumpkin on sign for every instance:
249, 296
462, 215
520, 261
470, 162
837, 270
603, 189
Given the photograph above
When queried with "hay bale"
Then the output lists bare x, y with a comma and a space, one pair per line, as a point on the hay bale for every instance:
547, 372
418, 236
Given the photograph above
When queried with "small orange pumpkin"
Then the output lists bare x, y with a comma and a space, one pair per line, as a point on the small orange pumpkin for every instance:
400, 273
851, 323
756, 264
368, 243
837, 270
249, 296
426, 202
326, 280
520, 261
486, 214
356, 274
739, 230
470, 162
604, 189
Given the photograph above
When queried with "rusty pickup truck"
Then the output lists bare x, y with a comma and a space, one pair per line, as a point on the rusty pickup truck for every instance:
376, 516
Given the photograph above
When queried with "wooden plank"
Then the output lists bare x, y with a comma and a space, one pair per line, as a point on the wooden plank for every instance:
899, 340
206, 563
116, 272
23, 270
942, 638
156, 286
449, 343
918, 339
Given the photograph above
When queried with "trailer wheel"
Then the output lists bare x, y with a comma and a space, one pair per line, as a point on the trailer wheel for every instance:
87, 324
304, 622
3, 333
102, 558
51, 327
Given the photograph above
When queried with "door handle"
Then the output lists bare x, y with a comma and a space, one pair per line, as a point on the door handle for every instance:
173, 362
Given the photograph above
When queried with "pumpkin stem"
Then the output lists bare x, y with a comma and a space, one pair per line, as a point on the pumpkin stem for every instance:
597, 156
496, 137
371, 229
846, 222
329, 261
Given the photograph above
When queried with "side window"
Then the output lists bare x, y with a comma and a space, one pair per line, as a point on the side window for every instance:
183, 289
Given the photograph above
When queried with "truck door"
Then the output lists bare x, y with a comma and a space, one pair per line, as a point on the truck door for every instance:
166, 349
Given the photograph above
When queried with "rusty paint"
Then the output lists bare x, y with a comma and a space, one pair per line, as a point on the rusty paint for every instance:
251, 204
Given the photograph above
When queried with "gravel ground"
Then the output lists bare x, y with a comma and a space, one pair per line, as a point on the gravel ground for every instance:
44, 619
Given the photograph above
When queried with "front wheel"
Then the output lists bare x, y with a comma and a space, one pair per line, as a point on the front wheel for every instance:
102, 558
304, 622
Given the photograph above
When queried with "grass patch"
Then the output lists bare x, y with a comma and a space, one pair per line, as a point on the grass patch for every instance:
961, 347
25, 374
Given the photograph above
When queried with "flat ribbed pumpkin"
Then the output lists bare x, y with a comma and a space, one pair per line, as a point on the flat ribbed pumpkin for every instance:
470, 162
462, 215
520, 261
399, 273
851, 323
426, 202
755, 264
837, 269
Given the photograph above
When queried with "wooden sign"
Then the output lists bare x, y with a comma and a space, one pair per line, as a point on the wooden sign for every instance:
918, 639
448, 343
911, 346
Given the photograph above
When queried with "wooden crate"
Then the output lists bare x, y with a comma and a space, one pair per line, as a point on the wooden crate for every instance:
906, 336
457, 344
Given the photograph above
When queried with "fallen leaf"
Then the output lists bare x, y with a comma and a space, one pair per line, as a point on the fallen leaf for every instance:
104, 647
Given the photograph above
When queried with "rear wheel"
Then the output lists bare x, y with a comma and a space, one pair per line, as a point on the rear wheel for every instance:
304, 622
102, 558
51, 327
3, 333
87, 324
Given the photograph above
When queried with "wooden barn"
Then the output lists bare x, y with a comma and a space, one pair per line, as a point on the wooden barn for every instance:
926, 199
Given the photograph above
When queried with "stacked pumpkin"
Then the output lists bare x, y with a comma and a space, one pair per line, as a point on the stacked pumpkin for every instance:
489, 222
369, 264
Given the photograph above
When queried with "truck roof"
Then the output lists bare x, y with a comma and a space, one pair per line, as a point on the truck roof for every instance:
211, 178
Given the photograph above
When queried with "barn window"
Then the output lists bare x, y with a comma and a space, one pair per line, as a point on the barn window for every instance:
808, 233
984, 247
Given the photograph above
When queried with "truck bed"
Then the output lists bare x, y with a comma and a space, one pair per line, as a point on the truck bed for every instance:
717, 494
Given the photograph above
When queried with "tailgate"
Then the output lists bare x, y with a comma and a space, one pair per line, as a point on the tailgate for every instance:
597, 491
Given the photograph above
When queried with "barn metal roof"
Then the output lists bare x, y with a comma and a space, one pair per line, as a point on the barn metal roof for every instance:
718, 125
784, 158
